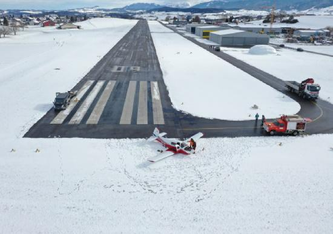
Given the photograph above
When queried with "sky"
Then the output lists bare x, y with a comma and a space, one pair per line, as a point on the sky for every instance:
67, 4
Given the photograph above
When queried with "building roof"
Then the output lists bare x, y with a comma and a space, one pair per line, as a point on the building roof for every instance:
228, 31
209, 27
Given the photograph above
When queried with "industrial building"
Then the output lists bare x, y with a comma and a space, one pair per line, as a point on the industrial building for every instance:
204, 31
238, 38
191, 28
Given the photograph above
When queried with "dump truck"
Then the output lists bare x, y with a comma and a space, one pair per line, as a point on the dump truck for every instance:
287, 124
307, 89
62, 100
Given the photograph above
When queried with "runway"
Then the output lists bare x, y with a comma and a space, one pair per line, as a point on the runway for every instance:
124, 96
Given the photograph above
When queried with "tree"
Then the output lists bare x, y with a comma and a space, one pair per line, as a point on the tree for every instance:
5, 21
5, 30
196, 19
167, 19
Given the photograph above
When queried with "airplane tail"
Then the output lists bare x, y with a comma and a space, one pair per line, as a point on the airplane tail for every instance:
156, 134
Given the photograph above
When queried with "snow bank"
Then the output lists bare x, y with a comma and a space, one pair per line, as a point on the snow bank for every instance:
262, 50
204, 85
293, 65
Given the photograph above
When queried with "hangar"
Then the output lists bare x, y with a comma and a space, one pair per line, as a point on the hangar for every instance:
204, 31
191, 28
238, 38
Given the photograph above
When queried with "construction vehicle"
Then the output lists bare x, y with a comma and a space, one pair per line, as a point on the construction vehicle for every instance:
306, 89
62, 100
287, 124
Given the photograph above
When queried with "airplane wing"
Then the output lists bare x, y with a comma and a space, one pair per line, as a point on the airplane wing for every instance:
195, 137
161, 156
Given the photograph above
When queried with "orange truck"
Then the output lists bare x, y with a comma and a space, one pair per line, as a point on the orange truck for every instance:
287, 124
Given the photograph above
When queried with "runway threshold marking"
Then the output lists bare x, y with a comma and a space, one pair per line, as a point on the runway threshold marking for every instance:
77, 118
60, 118
99, 108
143, 105
126, 116
157, 104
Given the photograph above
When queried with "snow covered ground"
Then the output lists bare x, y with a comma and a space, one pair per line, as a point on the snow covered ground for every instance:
292, 65
239, 185
312, 22
325, 49
202, 84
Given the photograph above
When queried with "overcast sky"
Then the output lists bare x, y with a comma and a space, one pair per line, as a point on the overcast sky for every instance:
66, 4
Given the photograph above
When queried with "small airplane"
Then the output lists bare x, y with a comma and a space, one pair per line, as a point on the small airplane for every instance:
173, 146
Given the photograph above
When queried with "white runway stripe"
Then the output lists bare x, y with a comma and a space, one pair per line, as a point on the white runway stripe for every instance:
60, 118
77, 118
143, 105
157, 104
126, 116
98, 110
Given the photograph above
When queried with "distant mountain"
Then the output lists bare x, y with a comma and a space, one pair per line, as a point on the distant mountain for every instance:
260, 4
139, 7
179, 5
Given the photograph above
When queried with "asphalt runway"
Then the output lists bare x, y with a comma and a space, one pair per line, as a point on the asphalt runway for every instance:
124, 96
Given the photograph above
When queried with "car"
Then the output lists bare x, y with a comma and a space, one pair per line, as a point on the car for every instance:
217, 48
300, 49
281, 45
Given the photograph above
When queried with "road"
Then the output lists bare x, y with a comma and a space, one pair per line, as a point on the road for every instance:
124, 96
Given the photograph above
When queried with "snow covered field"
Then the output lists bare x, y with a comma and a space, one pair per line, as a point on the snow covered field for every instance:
292, 65
202, 84
325, 49
311, 22
240, 185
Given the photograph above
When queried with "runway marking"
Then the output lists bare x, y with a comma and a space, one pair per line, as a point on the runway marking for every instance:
157, 104
143, 105
60, 118
77, 118
98, 110
126, 116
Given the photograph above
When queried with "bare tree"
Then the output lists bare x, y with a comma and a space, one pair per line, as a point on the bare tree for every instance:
5, 30
196, 19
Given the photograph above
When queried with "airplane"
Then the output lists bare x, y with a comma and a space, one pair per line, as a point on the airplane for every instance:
173, 146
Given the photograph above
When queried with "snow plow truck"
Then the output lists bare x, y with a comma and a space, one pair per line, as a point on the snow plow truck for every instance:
307, 89
287, 124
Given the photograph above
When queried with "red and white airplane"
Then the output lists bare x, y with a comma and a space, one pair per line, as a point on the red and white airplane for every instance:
173, 146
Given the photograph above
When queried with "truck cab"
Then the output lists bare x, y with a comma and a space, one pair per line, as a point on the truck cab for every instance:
62, 100
287, 124
309, 88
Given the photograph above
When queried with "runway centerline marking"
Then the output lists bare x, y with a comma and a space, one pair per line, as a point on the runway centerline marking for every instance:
143, 105
99, 108
157, 104
126, 116
60, 118
77, 118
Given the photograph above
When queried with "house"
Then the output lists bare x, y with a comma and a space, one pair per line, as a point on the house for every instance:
48, 23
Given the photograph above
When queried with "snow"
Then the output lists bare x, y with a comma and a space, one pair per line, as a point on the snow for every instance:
262, 50
201, 83
228, 32
292, 65
311, 22
232, 185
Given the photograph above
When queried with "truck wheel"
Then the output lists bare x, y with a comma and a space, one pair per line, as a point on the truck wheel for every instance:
295, 133
272, 133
